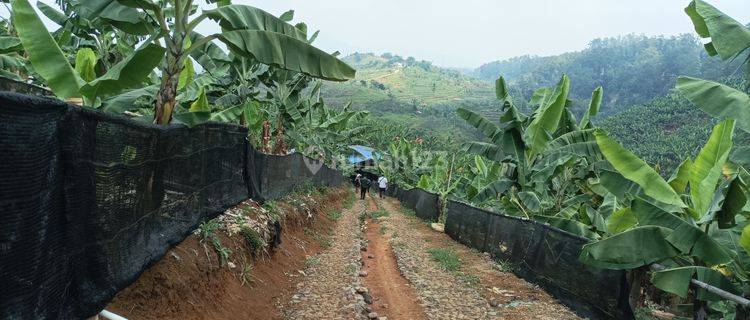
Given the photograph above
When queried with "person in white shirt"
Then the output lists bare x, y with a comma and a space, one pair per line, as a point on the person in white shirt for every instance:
382, 185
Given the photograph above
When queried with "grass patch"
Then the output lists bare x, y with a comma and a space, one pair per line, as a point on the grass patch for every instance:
253, 239
350, 269
324, 241
311, 261
383, 229
350, 198
408, 212
447, 258
471, 279
380, 213
334, 215
273, 209
207, 232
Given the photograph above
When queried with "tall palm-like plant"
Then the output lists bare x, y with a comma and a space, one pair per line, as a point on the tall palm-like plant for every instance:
246, 30
549, 162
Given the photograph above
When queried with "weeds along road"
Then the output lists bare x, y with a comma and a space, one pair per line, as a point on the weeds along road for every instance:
385, 263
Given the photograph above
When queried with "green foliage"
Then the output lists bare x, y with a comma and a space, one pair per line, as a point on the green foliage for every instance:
379, 214
334, 215
446, 258
253, 238
633, 69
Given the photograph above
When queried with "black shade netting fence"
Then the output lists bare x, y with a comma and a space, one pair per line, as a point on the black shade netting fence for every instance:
543, 255
426, 205
89, 200
272, 176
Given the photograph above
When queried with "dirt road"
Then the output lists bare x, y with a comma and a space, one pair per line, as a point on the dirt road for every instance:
387, 264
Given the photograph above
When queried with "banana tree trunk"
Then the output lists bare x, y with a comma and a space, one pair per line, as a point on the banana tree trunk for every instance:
166, 97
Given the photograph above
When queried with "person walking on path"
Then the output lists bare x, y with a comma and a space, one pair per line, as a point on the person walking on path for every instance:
357, 181
364, 186
382, 186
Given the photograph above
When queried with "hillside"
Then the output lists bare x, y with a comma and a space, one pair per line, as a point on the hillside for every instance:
391, 83
632, 69
666, 129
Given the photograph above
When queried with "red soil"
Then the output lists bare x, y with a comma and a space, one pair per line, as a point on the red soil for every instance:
188, 282
392, 294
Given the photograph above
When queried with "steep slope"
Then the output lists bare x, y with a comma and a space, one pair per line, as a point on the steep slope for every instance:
392, 83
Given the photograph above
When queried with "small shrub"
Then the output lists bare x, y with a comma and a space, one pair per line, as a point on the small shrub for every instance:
273, 210
334, 215
505, 266
311, 261
253, 238
383, 229
222, 251
350, 269
447, 258
207, 228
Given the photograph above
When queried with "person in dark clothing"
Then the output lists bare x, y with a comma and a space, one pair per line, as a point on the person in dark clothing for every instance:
364, 186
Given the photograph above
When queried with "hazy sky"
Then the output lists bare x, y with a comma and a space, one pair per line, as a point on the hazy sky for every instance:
467, 33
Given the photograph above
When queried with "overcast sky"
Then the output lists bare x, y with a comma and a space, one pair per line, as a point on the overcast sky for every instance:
467, 33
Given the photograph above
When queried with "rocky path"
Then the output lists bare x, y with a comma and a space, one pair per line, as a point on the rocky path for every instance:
385, 263
455, 282
331, 278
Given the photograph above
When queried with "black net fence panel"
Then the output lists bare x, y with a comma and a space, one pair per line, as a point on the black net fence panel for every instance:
273, 176
34, 276
544, 255
425, 204
90, 200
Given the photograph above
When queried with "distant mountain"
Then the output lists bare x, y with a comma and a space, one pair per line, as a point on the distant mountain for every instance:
632, 69
390, 82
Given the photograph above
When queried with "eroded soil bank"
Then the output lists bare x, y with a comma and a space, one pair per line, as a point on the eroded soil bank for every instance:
192, 281
339, 258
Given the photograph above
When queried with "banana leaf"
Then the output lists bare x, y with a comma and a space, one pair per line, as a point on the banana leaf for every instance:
693, 241
44, 53
501, 91
706, 169
594, 104
242, 17
485, 126
568, 225
537, 134
718, 100
679, 179
636, 170
728, 36
288, 53
129, 73
620, 221
630, 249
677, 281
126, 100
487, 150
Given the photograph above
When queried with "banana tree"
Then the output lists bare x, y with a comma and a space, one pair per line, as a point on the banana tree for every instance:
323, 128
553, 161
730, 40
49, 61
692, 224
246, 31
404, 162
